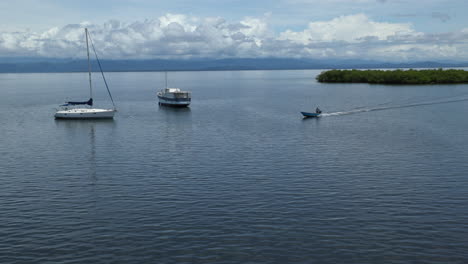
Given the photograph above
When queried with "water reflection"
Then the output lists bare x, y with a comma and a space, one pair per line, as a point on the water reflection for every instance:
81, 122
92, 156
311, 119
82, 136
176, 115
171, 109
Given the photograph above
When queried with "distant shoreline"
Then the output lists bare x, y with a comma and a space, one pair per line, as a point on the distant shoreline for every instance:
241, 64
215, 70
399, 76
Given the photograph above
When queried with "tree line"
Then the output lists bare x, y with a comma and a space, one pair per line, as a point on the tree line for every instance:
433, 76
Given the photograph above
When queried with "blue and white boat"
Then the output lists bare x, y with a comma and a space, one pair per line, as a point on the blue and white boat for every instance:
307, 114
317, 113
174, 97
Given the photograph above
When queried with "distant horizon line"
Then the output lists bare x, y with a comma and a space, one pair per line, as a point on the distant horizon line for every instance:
220, 70
236, 64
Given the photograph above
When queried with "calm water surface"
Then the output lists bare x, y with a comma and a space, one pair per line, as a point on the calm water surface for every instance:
239, 177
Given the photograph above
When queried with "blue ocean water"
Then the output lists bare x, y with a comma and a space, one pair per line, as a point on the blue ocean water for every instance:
239, 177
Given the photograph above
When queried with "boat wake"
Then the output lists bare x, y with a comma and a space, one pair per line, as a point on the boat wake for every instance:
381, 108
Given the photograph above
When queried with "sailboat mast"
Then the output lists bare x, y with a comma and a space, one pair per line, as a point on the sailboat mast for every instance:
165, 74
89, 66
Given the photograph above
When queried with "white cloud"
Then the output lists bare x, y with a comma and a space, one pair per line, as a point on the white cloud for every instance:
180, 36
352, 28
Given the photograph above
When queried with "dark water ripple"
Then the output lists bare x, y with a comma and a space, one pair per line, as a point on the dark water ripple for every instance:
237, 178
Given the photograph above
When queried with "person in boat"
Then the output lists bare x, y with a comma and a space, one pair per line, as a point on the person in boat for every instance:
318, 111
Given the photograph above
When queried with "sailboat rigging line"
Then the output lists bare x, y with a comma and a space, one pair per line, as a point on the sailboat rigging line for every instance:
89, 68
100, 68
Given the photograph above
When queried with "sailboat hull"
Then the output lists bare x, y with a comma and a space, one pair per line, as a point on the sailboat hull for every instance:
85, 113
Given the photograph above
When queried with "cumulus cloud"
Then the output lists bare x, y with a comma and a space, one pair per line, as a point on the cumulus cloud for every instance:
347, 28
177, 36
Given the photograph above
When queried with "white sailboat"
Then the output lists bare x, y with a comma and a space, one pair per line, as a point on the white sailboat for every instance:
85, 110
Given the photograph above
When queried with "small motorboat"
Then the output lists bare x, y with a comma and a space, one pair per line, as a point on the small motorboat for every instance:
307, 114
317, 113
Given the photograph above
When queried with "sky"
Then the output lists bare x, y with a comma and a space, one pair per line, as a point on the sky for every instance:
384, 30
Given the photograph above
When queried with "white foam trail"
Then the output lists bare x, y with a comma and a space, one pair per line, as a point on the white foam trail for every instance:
344, 113
355, 111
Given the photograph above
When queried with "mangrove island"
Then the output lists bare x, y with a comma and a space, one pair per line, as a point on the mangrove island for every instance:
433, 76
